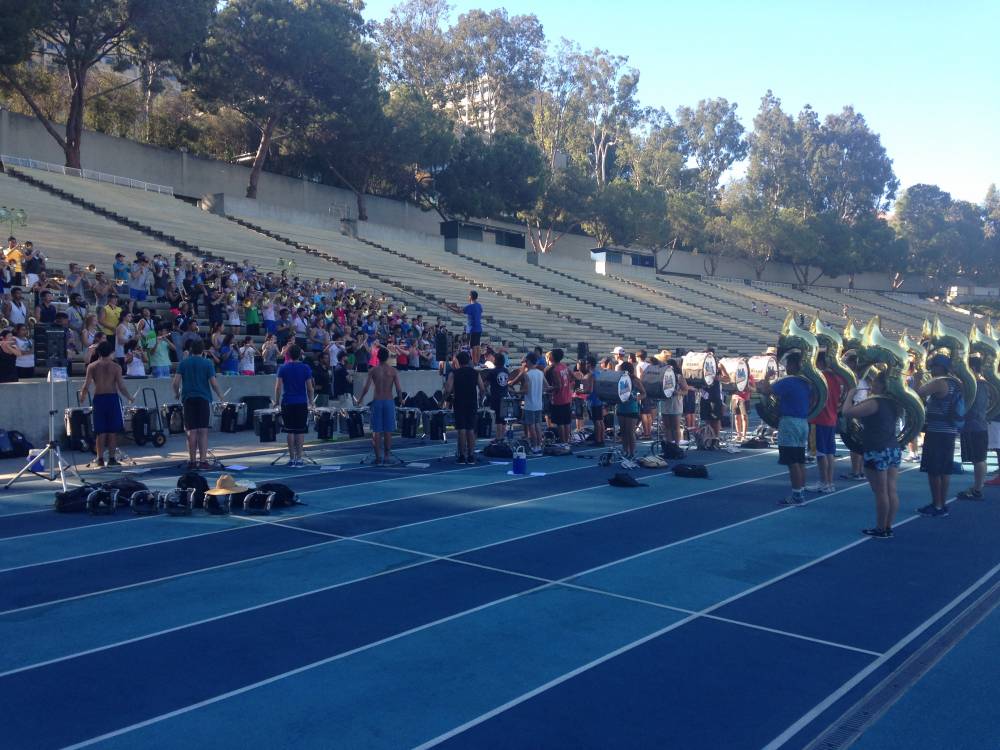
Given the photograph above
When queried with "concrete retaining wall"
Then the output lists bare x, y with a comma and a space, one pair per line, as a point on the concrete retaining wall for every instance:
301, 201
24, 406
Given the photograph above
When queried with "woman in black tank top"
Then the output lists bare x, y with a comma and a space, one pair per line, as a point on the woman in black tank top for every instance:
463, 385
8, 357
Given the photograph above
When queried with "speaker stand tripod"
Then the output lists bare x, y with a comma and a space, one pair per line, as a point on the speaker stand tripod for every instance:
50, 454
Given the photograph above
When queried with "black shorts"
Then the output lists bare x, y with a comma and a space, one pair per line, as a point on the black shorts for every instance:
689, 402
974, 446
475, 338
465, 419
495, 406
294, 418
197, 413
787, 455
938, 455
560, 414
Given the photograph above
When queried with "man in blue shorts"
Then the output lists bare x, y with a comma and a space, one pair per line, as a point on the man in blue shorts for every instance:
106, 376
793, 429
383, 410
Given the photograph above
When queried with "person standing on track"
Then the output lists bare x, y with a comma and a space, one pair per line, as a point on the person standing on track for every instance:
941, 425
826, 428
881, 452
193, 384
383, 409
560, 385
793, 429
293, 389
532, 387
106, 377
974, 438
465, 385
474, 324
496, 378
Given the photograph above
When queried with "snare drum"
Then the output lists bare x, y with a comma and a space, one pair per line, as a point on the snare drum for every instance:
408, 420
355, 421
734, 372
172, 415
660, 381
323, 418
510, 408
266, 424
435, 422
700, 369
612, 386
229, 414
79, 424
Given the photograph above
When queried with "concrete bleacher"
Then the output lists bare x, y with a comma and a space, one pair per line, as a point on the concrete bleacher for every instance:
525, 304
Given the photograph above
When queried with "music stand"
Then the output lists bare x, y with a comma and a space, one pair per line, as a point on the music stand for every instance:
55, 464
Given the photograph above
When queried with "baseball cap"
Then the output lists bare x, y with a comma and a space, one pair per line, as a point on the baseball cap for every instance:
618, 350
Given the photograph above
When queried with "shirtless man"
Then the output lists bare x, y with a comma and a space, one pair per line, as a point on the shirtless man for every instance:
383, 410
106, 376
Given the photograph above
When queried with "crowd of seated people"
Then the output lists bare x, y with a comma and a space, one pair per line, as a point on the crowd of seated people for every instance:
152, 308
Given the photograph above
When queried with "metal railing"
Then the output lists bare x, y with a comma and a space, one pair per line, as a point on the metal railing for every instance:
87, 174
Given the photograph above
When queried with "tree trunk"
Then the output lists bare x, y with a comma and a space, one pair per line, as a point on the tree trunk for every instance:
149, 71
74, 120
362, 202
258, 162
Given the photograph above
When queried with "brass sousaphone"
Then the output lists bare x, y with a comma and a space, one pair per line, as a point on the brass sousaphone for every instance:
955, 344
794, 337
878, 353
985, 345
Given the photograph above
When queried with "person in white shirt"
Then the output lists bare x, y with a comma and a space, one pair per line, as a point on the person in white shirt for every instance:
247, 354
532, 385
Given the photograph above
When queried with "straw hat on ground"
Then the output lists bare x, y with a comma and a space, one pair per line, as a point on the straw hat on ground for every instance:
226, 485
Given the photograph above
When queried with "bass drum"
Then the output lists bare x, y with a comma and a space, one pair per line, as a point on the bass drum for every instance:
700, 369
612, 386
734, 372
763, 367
660, 382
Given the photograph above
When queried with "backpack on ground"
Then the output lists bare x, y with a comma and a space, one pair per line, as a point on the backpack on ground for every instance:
671, 451
126, 487
102, 501
73, 500
19, 445
557, 449
6, 448
192, 480
284, 496
498, 449
691, 471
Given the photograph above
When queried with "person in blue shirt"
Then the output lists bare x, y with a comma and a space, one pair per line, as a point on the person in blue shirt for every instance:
474, 324
793, 429
193, 384
293, 390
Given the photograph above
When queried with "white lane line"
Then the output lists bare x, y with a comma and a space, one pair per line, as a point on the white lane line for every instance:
820, 707
493, 712
305, 668
282, 520
635, 644
331, 539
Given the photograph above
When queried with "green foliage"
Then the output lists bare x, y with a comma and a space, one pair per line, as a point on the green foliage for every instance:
715, 141
498, 178
278, 63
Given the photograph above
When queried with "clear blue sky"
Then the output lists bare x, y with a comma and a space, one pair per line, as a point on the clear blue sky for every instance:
920, 71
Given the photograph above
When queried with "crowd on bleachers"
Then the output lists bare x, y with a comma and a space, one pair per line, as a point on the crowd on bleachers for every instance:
153, 308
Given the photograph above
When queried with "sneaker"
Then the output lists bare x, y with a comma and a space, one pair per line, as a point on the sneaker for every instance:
827, 489
911, 458
791, 500
877, 533
816, 487
970, 494
205, 466
113, 461
536, 451
931, 510
97, 463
